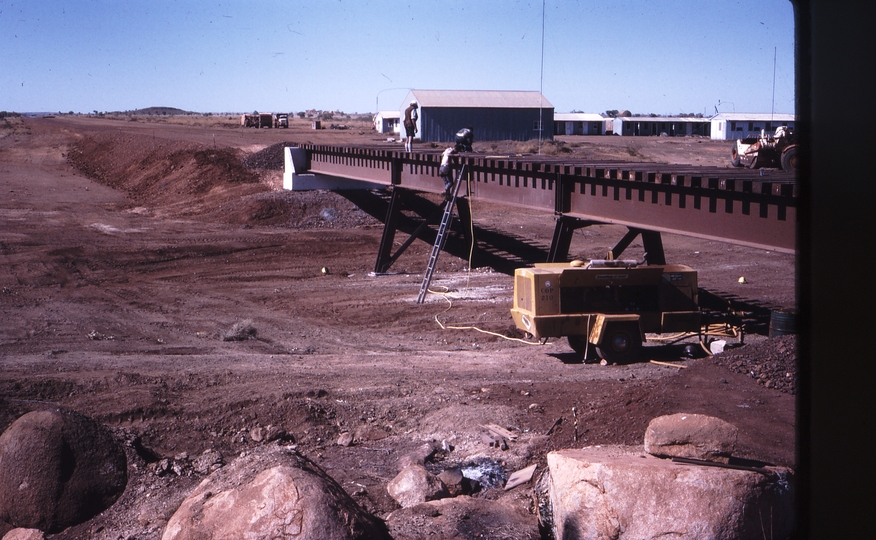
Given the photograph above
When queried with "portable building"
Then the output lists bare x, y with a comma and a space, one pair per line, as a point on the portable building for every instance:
578, 124
672, 126
732, 126
387, 122
493, 115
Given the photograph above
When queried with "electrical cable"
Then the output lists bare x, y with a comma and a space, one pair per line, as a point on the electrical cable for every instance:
719, 330
446, 295
471, 232
443, 326
711, 330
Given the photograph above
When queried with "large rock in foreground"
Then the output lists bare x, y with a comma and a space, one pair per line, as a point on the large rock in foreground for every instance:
623, 493
24, 534
58, 468
273, 492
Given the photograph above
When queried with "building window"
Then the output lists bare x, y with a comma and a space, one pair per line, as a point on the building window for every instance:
536, 125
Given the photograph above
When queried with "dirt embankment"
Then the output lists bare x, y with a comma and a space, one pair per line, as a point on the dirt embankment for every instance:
186, 180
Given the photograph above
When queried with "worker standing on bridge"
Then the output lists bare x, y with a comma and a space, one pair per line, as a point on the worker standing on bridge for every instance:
410, 125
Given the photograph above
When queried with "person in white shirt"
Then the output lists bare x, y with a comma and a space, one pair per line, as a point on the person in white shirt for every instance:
445, 170
464, 140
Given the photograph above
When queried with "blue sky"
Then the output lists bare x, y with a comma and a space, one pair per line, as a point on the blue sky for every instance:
647, 56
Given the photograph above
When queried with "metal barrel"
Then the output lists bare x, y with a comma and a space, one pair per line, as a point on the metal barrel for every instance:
783, 322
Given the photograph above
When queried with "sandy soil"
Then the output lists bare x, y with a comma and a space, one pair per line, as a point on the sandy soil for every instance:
154, 282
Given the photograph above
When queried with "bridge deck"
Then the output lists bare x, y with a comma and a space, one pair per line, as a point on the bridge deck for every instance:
749, 207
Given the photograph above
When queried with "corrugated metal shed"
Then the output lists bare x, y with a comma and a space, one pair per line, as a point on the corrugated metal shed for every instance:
493, 115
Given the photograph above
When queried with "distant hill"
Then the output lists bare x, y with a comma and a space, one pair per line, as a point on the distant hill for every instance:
167, 111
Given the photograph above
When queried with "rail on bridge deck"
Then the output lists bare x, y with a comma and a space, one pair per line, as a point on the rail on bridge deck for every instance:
756, 208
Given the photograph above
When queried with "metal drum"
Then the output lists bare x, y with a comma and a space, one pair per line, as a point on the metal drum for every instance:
783, 322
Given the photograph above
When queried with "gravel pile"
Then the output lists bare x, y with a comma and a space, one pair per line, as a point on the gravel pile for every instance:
773, 363
271, 158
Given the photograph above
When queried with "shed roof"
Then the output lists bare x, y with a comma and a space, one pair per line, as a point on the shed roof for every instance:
755, 117
676, 119
578, 117
500, 99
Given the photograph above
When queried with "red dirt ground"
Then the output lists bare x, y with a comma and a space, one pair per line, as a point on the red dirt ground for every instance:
136, 253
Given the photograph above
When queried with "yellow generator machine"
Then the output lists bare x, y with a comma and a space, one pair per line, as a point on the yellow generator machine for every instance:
606, 305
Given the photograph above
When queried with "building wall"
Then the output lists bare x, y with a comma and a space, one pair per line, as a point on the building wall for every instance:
439, 124
645, 126
566, 127
385, 124
724, 129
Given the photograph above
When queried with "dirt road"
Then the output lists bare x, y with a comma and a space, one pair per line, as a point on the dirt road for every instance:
179, 298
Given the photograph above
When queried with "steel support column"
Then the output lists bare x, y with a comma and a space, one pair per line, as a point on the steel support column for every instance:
384, 256
384, 260
562, 239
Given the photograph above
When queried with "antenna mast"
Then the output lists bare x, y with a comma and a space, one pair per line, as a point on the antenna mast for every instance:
541, 82
773, 108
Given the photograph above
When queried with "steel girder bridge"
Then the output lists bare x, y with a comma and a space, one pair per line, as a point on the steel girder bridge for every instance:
756, 208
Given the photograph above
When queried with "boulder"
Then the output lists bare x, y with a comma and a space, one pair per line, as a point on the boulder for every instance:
418, 456
414, 485
457, 484
272, 492
24, 534
464, 518
58, 468
207, 462
345, 439
267, 434
623, 493
694, 436
369, 433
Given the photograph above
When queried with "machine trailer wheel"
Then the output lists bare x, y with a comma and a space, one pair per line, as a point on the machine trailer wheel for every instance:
734, 157
621, 343
789, 159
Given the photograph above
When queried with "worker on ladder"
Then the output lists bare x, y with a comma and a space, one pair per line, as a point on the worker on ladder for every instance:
464, 139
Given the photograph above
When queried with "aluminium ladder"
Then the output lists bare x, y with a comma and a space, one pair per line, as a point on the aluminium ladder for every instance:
440, 238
